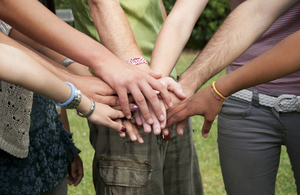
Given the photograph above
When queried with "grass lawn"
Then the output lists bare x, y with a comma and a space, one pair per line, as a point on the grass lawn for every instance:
206, 148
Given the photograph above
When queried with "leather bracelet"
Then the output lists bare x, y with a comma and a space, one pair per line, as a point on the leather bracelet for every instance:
90, 112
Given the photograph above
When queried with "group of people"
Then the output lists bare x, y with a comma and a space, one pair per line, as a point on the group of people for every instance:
132, 48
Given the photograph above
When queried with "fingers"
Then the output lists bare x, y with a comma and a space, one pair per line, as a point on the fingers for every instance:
108, 100
176, 114
164, 93
146, 126
146, 69
206, 128
133, 131
138, 118
75, 171
173, 86
181, 126
123, 99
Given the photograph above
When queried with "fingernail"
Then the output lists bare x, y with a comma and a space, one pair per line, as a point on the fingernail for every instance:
128, 116
133, 137
162, 117
118, 102
133, 107
157, 92
123, 129
170, 104
157, 131
150, 121
141, 140
147, 129
162, 125
180, 131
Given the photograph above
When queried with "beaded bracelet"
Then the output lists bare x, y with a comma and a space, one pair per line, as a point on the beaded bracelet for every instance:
90, 112
137, 60
67, 62
212, 90
218, 93
74, 99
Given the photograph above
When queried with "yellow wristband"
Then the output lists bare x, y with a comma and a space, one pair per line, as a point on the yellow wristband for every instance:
219, 94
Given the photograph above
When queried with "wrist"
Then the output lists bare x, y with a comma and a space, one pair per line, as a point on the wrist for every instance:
86, 107
224, 86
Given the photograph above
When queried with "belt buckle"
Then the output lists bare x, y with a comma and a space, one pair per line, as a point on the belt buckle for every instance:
290, 106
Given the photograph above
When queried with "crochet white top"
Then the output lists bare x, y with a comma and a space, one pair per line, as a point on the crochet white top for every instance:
15, 108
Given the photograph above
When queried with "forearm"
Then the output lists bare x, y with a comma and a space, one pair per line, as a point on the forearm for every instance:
242, 27
281, 60
49, 64
20, 69
114, 29
174, 34
44, 27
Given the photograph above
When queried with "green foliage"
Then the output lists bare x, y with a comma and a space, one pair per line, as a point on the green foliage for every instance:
209, 21
62, 4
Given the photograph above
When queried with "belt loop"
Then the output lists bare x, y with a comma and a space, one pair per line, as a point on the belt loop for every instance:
255, 100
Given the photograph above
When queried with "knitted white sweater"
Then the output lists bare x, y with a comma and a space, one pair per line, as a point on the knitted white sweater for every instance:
15, 108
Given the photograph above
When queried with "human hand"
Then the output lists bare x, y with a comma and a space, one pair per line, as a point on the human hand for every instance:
202, 103
96, 89
75, 171
141, 84
157, 125
106, 116
132, 131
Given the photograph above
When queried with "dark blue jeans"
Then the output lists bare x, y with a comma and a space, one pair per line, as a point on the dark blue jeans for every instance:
250, 138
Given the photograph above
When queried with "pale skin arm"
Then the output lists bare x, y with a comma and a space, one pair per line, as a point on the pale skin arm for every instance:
279, 61
20, 69
98, 90
123, 78
178, 26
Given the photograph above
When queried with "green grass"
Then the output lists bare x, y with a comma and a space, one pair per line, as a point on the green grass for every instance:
206, 149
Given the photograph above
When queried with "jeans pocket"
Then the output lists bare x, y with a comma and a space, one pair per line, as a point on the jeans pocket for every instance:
234, 107
125, 172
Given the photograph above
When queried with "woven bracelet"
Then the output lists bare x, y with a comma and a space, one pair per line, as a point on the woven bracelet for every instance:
212, 90
137, 60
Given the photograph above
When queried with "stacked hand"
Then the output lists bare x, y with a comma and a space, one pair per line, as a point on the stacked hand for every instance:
202, 103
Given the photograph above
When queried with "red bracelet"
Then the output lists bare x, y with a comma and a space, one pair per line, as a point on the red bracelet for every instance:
137, 60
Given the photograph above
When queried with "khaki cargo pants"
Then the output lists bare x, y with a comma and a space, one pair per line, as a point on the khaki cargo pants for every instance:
155, 167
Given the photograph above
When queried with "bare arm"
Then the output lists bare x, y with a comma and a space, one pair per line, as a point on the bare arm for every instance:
174, 34
281, 60
123, 78
114, 29
242, 28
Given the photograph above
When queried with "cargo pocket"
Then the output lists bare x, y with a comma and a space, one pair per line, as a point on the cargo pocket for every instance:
125, 172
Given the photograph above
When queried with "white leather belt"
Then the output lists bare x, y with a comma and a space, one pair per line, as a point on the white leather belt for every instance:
282, 103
